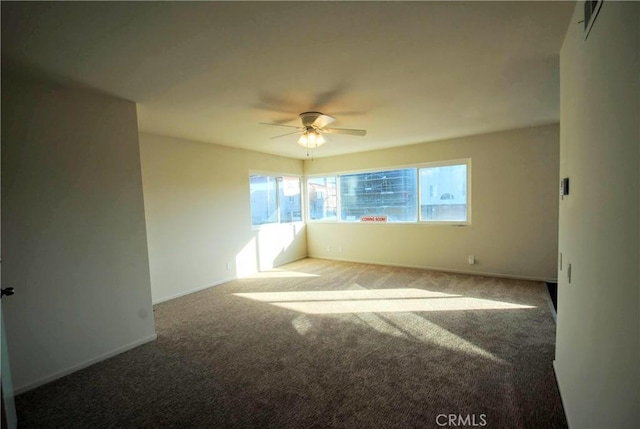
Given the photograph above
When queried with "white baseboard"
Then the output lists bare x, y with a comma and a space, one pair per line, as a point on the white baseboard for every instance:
446, 270
194, 290
217, 283
292, 260
59, 374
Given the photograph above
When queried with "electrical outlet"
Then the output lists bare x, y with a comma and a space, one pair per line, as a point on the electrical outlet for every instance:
228, 266
472, 259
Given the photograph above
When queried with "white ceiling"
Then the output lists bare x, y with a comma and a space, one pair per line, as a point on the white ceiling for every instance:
407, 72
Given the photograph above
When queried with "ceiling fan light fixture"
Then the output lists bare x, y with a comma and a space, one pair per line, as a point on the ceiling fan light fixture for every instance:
311, 139
314, 125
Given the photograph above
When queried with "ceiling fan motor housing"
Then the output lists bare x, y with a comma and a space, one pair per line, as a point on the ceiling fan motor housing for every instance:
315, 119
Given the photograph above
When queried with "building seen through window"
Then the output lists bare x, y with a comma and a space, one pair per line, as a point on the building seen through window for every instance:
275, 199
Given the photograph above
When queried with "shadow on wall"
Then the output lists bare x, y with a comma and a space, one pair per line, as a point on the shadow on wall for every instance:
270, 246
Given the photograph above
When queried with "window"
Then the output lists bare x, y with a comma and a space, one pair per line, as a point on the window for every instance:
427, 193
322, 198
275, 199
443, 195
390, 195
289, 193
264, 201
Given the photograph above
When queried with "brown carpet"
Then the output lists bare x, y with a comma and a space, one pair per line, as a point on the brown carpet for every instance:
319, 344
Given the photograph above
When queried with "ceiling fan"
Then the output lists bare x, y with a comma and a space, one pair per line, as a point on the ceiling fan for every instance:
314, 124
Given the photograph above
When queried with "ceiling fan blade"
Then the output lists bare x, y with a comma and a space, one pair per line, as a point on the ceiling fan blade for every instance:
323, 120
322, 99
288, 134
280, 125
345, 131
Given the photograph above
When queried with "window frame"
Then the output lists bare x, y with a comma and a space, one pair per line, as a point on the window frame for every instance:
416, 167
279, 177
307, 214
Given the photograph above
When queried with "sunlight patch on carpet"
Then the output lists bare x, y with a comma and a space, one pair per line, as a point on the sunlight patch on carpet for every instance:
394, 312
408, 326
398, 305
414, 327
377, 301
302, 324
338, 295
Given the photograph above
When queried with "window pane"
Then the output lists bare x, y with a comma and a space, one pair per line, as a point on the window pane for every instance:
264, 203
323, 198
381, 193
290, 202
443, 193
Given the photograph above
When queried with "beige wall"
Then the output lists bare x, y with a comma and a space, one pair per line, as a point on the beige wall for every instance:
73, 230
199, 216
514, 197
597, 353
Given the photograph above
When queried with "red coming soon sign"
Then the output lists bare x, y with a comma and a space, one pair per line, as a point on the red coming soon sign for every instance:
373, 219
